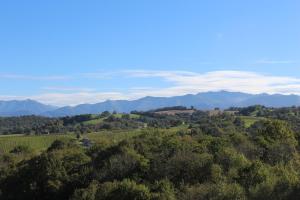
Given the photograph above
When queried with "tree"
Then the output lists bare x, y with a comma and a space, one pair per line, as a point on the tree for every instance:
88, 193
125, 190
105, 114
276, 139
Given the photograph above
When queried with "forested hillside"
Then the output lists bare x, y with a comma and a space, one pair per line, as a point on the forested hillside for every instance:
242, 153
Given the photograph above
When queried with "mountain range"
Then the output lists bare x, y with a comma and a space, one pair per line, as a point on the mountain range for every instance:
204, 101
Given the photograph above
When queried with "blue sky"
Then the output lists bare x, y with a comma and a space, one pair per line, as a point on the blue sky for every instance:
70, 52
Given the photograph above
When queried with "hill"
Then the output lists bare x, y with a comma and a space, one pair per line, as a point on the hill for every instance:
251, 153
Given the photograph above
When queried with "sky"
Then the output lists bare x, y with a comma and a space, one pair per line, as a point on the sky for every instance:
68, 52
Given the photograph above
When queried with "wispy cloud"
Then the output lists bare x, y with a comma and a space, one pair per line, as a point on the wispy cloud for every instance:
267, 61
162, 74
101, 74
61, 99
30, 77
68, 89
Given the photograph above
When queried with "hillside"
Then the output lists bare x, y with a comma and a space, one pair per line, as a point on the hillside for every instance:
246, 153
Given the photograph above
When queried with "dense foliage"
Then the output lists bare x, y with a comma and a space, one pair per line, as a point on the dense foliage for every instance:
36, 125
27, 125
205, 157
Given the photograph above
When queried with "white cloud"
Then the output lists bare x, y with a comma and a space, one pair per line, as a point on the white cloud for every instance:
30, 77
101, 74
68, 89
163, 74
243, 81
62, 99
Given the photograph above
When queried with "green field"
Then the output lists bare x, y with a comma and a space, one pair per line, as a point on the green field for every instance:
250, 120
94, 121
98, 120
40, 143
37, 143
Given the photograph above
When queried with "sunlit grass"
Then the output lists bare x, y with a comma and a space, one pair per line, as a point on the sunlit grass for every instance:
249, 120
41, 142
98, 120
37, 143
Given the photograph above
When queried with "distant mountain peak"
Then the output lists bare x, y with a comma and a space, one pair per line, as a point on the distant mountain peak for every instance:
23, 107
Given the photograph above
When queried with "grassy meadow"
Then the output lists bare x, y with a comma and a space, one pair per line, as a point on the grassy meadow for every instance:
249, 120
41, 142
37, 143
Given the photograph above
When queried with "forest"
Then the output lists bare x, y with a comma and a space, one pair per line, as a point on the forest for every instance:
239, 153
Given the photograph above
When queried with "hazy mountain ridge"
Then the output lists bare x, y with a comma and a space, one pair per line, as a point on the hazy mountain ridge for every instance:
207, 100
23, 107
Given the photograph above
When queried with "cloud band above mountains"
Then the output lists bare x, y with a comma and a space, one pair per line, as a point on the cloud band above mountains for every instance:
180, 83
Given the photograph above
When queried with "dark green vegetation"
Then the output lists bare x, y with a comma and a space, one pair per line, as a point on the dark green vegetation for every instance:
36, 125
252, 153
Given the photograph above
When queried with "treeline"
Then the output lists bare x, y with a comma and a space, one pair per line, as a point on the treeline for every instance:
81, 124
289, 114
212, 157
27, 124
36, 125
